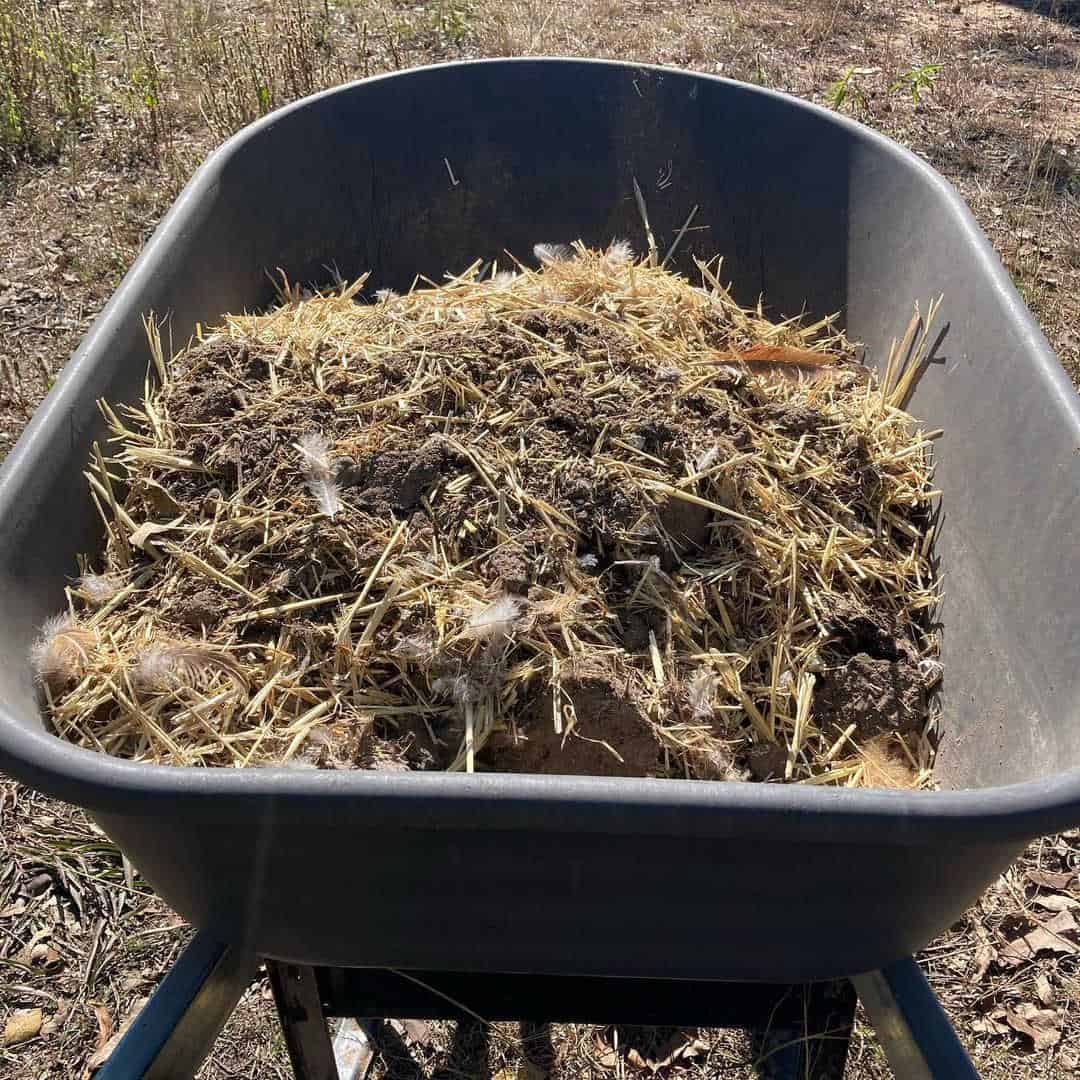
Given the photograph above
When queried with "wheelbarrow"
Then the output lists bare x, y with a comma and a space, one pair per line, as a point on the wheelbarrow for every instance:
425, 171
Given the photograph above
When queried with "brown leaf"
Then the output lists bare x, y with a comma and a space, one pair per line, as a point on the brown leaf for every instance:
101, 1054
1043, 990
1056, 902
607, 1059
159, 497
786, 354
1044, 938
1041, 1026
22, 1026
104, 1022
1049, 880
416, 1031
985, 955
991, 1024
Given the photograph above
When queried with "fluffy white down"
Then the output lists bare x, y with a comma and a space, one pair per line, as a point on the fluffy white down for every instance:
619, 253
497, 619
314, 448
99, 589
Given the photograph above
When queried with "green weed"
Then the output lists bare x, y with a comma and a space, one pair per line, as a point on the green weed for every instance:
846, 90
47, 81
917, 81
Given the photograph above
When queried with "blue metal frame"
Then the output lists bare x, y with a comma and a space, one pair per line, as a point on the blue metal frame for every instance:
176, 1028
918, 1038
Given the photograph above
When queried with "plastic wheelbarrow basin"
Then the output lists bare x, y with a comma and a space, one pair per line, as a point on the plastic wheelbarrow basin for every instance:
427, 170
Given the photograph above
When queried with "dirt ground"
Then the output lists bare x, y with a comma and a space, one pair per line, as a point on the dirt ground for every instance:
105, 109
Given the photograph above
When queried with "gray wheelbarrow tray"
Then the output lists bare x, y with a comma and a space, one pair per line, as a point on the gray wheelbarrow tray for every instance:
427, 170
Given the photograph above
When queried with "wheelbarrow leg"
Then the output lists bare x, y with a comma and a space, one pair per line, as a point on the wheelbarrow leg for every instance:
299, 1005
176, 1028
807, 1035
914, 1031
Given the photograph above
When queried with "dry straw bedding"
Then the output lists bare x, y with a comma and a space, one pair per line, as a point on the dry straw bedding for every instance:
585, 518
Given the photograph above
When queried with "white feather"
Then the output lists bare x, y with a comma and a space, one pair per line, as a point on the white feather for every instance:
460, 688
314, 448
60, 651
99, 589
619, 253
326, 494
702, 688
414, 647
552, 253
495, 620
164, 666
708, 458
156, 669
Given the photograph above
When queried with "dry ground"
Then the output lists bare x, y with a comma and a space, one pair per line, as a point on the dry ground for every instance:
105, 108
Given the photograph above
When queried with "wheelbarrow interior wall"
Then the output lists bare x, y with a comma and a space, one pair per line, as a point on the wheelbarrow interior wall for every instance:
435, 172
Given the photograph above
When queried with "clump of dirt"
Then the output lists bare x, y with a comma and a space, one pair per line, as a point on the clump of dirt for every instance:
590, 519
603, 731
880, 696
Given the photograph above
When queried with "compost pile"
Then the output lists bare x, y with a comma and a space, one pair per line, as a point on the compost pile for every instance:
588, 518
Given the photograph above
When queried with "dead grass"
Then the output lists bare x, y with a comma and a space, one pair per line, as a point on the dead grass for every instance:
601, 474
78, 199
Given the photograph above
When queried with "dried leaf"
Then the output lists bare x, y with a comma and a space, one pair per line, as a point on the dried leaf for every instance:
160, 499
1041, 1026
786, 354
1049, 880
105, 1024
607, 1059
413, 1031
991, 1024
1043, 990
101, 1055
985, 955
149, 529
1056, 902
22, 1026
1045, 938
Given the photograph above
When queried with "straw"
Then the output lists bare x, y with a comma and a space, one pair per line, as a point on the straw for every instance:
420, 532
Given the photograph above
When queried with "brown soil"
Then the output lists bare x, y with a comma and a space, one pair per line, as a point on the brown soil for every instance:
879, 695
612, 735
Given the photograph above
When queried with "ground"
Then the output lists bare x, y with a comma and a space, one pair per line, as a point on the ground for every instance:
105, 109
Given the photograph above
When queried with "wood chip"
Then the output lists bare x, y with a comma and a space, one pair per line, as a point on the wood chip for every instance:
22, 1026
